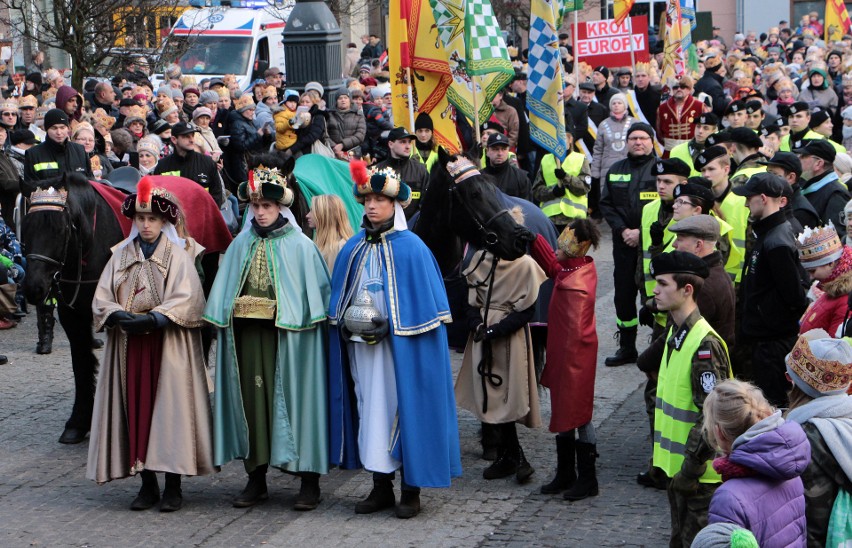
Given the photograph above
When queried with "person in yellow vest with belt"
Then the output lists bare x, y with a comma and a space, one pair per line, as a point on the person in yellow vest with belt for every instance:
746, 154
561, 190
425, 150
694, 360
715, 166
799, 117
705, 125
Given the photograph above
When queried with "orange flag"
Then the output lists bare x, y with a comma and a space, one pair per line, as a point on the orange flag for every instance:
836, 20
621, 9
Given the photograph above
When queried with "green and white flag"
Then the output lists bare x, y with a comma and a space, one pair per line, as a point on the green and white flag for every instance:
485, 49
572, 5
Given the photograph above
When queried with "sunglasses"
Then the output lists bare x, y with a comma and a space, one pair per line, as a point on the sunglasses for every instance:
10, 114
682, 86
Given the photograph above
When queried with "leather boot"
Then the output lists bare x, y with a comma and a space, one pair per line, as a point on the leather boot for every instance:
309, 493
525, 469
45, 323
565, 473
149, 494
255, 490
409, 504
490, 441
587, 480
507, 462
380, 497
626, 352
172, 495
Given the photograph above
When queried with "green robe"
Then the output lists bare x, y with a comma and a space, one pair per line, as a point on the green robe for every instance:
298, 431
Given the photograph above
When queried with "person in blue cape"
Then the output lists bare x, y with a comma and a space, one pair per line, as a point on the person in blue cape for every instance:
391, 397
269, 301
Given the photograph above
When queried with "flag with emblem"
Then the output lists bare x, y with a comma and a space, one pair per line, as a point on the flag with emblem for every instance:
544, 79
673, 66
572, 5
836, 20
621, 9
470, 24
413, 42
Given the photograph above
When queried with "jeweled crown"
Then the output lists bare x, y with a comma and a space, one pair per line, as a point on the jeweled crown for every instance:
48, 198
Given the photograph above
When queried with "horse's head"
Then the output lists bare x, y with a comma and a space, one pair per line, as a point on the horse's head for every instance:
50, 234
475, 211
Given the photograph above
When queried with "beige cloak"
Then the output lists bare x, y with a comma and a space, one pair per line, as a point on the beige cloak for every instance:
181, 438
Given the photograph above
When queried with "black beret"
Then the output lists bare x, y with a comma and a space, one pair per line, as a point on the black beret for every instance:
799, 106
746, 137
734, 106
766, 131
696, 190
707, 119
753, 106
818, 116
719, 137
679, 262
708, 155
672, 166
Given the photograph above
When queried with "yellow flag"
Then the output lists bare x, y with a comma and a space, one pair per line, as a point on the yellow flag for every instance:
621, 9
412, 23
836, 20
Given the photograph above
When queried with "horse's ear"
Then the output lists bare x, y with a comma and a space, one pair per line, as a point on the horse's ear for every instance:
289, 165
443, 156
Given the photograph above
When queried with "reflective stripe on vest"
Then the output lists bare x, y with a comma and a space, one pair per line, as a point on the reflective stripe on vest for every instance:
569, 205
675, 412
171, 173
619, 177
45, 165
735, 214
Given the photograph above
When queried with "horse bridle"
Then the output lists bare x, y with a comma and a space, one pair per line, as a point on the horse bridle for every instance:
60, 264
461, 170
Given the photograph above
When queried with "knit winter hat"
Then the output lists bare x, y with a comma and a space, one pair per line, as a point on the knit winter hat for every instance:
208, 96
165, 107
820, 365
423, 121
818, 246
724, 535
618, 97
201, 111
55, 117
150, 145
641, 126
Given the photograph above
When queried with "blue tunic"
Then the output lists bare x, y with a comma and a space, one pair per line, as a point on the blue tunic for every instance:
428, 441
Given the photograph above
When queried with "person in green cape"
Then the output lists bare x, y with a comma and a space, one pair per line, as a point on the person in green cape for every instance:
269, 301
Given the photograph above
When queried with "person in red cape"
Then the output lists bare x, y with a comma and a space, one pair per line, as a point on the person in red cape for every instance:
572, 354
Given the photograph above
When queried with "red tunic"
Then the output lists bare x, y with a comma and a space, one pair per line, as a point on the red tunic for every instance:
572, 339
674, 128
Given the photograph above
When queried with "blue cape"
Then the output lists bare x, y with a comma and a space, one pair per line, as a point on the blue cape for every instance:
428, 442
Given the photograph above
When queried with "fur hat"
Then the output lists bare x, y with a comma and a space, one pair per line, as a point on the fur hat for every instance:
267, 184
372, 181
150, 199
209, 96
820, 365
244, 103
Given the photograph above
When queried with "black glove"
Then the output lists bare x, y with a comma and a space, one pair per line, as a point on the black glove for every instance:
558, 190
686, 481
657, 233
379, 332
646, 317
560, 173
139, 323
479, 333
117, 317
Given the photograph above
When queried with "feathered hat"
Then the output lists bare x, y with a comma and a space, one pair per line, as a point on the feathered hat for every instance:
267, 184
382, 181
151, 199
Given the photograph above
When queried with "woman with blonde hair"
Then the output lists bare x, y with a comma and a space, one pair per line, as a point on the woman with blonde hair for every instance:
763, 457
331, 226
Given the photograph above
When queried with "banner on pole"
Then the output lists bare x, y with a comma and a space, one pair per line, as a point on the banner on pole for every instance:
607, 43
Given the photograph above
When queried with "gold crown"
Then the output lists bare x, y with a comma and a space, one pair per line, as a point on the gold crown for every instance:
462, 169
48, 199
819, 246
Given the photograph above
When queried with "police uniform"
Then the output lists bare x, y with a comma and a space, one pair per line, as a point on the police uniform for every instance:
563, 198
694, 361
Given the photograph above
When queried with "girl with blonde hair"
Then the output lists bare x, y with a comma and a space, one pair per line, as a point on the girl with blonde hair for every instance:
763, 457
331, 226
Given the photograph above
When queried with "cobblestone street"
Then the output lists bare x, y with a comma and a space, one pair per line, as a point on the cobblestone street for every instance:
45, 499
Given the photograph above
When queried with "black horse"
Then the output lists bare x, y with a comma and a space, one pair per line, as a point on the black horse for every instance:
466, 208
67, 246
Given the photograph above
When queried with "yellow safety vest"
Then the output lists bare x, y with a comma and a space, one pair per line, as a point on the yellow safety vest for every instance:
428, 162
569, 205
747, 173
736, 215
675, 412
811, 135
650, 214
681, 152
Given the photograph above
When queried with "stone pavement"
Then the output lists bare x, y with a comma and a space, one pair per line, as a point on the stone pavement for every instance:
45, 499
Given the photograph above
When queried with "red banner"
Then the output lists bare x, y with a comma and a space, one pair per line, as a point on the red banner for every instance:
606, 43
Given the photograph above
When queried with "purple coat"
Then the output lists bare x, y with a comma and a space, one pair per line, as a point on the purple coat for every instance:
770, 504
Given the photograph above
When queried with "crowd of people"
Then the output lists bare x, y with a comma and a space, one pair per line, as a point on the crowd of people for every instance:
726, 194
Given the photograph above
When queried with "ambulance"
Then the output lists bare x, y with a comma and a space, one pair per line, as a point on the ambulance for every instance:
241, 38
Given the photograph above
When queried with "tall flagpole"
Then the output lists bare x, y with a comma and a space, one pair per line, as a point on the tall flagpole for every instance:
410, 100
475, 109
632, 54
577, 56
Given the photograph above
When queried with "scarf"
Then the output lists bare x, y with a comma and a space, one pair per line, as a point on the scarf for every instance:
832, 415
730, 470
844, 265
264, 231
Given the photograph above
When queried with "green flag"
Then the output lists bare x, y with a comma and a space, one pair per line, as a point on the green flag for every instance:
485, 50
572, 5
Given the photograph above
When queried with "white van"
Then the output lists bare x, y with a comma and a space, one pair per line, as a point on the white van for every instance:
227, 40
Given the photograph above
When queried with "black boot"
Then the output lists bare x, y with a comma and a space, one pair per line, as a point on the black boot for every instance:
490, 441
587, 480
409, 504
626, 352
309, 493
45, 323
380, 497
172, 495
255, 490
525, 469
507, 462
149, 494
565, 474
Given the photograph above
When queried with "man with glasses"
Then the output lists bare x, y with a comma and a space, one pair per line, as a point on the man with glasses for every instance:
676, 117
628, 186
8, 116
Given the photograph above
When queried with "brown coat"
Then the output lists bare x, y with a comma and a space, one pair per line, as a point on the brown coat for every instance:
516, 285
181, 438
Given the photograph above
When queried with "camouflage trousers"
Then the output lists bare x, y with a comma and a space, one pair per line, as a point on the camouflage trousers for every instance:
689, 513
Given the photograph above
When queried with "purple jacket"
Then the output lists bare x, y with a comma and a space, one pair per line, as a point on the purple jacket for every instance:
771, 503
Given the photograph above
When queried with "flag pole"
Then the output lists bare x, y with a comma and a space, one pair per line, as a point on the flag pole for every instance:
475, 109
576, 57
632, 53
410, 100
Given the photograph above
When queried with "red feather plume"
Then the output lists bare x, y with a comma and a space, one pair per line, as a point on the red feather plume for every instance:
358, 169
143, 190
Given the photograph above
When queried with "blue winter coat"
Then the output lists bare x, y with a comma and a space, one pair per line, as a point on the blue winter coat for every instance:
771, 503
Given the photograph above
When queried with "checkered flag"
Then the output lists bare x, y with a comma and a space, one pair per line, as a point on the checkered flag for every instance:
485, 49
